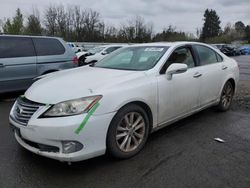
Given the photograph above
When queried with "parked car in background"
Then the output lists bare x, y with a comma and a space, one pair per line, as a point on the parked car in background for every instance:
75, 47
82, 55
95, 54
219, 46
87, 47
245, 50
129, 94
22, 58
230, 50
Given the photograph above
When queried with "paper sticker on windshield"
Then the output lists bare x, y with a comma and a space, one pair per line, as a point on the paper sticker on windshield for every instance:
154, 49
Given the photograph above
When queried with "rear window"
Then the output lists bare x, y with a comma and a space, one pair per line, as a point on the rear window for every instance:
48, 46
11, 47
207, 56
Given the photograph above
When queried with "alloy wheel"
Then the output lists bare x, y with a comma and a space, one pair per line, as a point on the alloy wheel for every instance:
227, 95
130, 132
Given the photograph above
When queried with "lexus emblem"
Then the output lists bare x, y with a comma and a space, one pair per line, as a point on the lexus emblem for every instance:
19, 110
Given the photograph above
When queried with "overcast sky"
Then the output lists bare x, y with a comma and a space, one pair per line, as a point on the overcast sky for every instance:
186, 15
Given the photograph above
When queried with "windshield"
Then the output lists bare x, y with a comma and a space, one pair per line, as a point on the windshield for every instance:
95, 50
133, 58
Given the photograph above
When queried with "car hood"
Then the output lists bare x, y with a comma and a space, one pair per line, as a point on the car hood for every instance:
79, 54
94, 57
77, 83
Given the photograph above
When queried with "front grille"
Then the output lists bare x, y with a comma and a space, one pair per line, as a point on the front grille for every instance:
24, 109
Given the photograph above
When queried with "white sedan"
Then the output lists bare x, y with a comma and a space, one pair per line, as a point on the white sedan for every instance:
123, 98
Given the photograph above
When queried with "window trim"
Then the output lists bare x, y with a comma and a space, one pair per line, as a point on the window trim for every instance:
164, 68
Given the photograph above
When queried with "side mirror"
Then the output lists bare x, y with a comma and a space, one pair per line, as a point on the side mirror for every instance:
176, 68
104, 53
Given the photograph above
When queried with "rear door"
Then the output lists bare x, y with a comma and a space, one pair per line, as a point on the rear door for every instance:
17, 63
212, 72
51, 55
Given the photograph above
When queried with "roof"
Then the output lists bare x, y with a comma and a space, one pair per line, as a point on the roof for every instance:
111, 45
168, 43
33, 36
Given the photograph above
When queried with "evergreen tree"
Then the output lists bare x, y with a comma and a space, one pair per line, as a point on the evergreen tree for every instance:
16, 25
239, 26
240, 30
211, 27
247, 33
33, 25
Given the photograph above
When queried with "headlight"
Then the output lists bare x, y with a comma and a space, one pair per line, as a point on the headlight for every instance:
72, 107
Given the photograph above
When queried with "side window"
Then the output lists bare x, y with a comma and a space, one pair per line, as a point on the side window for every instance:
111, 49
11, 47
207, 56
219, 58
182, 55
47, 46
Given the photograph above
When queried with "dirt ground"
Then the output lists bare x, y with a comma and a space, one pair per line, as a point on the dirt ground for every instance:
242, 97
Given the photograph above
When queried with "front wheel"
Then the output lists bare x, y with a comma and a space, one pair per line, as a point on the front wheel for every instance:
226, 97
81, 61
128, 132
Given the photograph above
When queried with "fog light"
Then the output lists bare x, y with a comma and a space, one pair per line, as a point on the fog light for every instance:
71, 146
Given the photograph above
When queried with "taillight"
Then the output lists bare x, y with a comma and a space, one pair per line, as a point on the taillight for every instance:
75, 61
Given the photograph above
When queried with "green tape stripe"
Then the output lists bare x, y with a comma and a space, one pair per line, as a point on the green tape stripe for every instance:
90, 113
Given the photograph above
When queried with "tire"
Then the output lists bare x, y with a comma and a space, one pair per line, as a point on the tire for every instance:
81, 61
124, 140
226, 97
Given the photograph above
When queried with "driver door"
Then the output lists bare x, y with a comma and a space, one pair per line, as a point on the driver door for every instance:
180, 94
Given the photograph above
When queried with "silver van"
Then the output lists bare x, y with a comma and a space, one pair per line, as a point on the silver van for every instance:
22, 58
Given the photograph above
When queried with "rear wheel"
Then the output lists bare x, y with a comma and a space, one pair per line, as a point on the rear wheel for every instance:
128, 132
226, 97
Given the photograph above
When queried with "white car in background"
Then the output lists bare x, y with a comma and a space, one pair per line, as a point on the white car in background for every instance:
132, 92
96, 54
75, 47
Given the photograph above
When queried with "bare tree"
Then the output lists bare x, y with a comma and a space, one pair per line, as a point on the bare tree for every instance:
110, 34
78, 23
50, 20
91, 21
61, 21
136, 30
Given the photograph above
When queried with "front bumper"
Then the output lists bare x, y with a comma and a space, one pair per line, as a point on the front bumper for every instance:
52, 131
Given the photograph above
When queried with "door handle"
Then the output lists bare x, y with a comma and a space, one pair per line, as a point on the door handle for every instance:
2, 65
224, 67
197, 75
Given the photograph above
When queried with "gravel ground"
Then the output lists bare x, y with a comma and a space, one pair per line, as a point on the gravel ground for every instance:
242, 97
